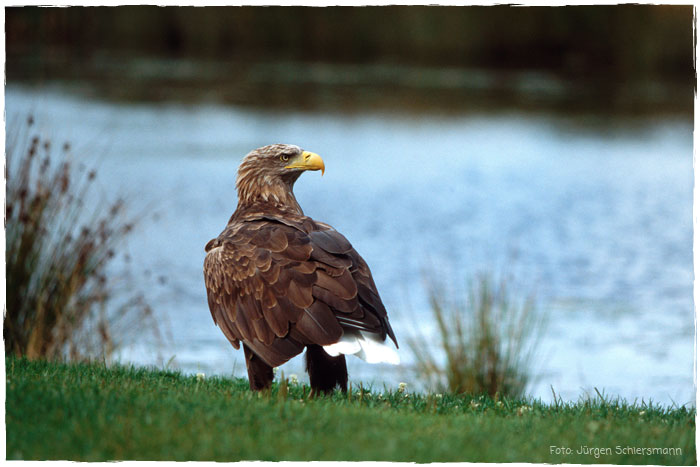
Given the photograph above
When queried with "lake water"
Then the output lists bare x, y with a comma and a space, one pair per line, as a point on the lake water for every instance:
592, 214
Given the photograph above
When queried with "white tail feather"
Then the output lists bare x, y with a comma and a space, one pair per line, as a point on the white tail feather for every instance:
366, 346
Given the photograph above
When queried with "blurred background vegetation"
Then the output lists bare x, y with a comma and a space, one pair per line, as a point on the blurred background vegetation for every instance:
629, 57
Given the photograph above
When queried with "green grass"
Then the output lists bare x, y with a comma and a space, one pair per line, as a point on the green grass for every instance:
89, 412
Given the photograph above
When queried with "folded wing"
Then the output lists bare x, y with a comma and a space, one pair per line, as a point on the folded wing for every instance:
279, 287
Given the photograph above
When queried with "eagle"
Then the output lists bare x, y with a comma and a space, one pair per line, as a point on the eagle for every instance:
279, 282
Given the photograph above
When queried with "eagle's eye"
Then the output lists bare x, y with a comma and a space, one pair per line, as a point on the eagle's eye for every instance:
284, 157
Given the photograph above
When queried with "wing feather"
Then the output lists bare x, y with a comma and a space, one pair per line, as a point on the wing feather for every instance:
343, 286
277, 319
319, 325
299, 295
335, 302
331, 241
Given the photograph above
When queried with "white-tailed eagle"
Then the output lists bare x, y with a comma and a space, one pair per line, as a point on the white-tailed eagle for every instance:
278, 281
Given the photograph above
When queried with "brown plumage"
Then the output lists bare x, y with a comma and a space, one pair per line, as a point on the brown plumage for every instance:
279, 282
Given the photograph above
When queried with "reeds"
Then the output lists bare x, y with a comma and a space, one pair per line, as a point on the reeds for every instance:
485, 343
58, 248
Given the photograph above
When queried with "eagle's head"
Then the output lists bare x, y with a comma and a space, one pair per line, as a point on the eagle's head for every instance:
267, 174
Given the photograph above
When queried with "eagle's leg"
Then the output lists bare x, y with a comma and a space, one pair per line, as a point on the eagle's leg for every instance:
259, 373
325, 372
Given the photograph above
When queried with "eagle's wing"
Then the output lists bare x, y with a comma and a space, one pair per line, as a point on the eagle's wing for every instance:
278, 288
362, 308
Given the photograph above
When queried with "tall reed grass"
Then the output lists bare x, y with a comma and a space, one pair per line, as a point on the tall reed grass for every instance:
62, 299
484, 343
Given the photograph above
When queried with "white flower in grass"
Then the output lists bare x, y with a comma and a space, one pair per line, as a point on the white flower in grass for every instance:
294, 379
402, 387
200, 376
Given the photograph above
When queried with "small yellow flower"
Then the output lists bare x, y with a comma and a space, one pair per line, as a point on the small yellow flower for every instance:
200, 376
402, 387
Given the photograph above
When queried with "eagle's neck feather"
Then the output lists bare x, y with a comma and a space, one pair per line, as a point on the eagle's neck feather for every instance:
267, 190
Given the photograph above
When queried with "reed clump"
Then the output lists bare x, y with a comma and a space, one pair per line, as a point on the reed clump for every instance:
485, 343
59, 248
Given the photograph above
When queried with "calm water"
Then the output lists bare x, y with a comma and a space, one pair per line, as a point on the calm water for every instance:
593, 215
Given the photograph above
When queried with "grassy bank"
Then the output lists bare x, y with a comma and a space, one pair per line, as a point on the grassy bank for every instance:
89, 412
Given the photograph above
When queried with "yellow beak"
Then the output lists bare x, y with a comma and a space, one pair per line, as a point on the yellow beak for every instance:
307, 161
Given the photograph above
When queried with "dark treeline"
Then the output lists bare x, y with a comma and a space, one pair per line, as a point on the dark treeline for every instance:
618, 41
